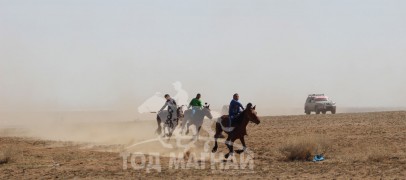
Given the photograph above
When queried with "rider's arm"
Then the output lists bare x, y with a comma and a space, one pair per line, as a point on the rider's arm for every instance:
190, 104
231, 108
240, 105
163, 107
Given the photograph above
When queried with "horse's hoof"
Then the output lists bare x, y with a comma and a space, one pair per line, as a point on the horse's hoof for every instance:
221, 136
214, 150
227, 155
239, 151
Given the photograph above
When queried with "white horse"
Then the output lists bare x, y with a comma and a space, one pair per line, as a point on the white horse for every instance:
169, 122
196, 119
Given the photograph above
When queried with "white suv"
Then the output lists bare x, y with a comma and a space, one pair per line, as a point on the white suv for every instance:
319, 103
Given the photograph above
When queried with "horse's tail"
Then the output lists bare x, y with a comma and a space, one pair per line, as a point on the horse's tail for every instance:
219, 129
218, 121
159, 129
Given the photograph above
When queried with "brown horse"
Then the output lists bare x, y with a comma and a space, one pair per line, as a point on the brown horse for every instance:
238, 129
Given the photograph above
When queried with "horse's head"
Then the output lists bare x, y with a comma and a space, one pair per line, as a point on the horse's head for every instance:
252, 114
207, 111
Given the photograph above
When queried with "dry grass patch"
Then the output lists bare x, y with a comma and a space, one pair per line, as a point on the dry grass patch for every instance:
5, 154
304, 148
377, 154
377, 157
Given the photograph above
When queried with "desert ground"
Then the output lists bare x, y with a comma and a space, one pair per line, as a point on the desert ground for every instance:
355, 146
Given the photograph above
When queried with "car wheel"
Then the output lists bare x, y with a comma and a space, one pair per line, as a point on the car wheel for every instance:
317, 110
324, 112
333, 111
307, 112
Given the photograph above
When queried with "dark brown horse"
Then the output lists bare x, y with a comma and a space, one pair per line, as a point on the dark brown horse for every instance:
238, 129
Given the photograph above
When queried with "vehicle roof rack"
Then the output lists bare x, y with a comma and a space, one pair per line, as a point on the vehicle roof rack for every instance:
316, 94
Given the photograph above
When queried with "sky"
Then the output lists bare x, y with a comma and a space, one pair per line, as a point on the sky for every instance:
113, 55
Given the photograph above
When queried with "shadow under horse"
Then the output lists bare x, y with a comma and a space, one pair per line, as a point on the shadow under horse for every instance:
237, 130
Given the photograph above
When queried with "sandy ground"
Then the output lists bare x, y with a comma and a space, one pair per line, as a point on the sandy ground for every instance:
356, 146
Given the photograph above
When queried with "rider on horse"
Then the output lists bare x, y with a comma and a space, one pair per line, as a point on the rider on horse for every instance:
196, 104
172, 107
234, 109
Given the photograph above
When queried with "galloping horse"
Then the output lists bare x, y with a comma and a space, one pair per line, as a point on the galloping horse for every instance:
170, 123
196, 119
237, 130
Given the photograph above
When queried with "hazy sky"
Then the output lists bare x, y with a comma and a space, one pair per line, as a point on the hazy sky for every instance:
112, 55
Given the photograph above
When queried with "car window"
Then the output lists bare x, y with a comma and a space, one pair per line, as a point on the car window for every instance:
321, 99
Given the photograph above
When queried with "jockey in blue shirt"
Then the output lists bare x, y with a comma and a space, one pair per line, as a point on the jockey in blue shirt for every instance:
235, 108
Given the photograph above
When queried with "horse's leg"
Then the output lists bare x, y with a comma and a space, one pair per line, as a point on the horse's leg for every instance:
172, 127
230, 145
184, 121
198, 132
187, 128
243, 146
216, 136
159, 130
215, 145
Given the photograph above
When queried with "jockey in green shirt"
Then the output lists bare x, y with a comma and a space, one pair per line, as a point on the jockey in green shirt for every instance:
196, 104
